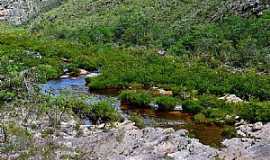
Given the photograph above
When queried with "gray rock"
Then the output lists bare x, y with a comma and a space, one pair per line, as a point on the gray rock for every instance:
257, 126
231, 98
255, 143
2, 77
20, 11
2, 135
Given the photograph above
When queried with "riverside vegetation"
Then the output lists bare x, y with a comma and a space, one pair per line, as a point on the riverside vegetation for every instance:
205, 58
208, 60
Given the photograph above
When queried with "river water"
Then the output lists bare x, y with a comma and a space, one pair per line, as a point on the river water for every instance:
207, 133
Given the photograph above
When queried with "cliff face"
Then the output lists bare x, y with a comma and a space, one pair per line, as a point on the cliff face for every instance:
19, 11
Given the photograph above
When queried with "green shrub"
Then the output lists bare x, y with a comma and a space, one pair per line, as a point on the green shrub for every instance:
255, 111
6, 96
166, 103
139, 121
229, 132
192, 106
200, 118
46, 72
138, 98
215, 113
209, 101
105, 112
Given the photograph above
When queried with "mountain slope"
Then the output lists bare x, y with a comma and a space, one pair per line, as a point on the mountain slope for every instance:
234, 32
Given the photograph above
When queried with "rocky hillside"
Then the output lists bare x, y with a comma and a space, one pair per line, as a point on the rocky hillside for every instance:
20, 11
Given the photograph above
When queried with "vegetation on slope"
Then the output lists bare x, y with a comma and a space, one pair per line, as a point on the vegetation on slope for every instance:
179, 27
121, 38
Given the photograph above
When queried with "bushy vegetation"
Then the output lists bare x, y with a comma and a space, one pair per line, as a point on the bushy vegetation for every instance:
229, 132
134, 97
122, 38
200, 118
180, 27
104, 112
205, 59
137, 119
255, 111
166, 103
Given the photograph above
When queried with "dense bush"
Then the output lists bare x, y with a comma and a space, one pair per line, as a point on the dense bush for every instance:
192, 106
166, 103
46, 72
255, 111
229, 132
200, 118
138, 98
6, 96
104, 112
139, 121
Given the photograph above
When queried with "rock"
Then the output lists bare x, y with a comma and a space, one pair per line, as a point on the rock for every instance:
127, 142
231, 98
242, 122
66, 70
244, 8
91, 75
178, 108
182, 132
165, 93
161, 52
257, 126
154, 106
168, 130
2, 77
20, 11
65, 76
161, 92
240, 133
237, 117
254, 144
83, 72
2, 135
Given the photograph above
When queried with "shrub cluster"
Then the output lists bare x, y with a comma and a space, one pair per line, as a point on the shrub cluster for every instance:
133, 97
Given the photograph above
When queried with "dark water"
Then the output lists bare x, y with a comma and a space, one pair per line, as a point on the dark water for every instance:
207, 134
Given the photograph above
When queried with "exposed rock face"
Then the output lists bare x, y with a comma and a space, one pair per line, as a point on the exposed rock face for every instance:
242, 8
255, 143
127, 142
20, 11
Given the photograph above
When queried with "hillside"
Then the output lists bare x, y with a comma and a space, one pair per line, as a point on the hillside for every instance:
233, 32
202, 66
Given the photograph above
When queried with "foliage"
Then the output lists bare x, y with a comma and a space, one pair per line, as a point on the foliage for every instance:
105, 112
200, 118
6, 96
229, 132
139, 121
139, 98
192, 106
166, 103
255, 111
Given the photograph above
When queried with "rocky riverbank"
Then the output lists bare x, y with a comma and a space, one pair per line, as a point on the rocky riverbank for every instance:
254, 144
29, 136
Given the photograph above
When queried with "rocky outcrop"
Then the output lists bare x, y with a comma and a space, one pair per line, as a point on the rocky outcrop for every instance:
20, 11
231, 98
254, 144
244, 8
127, 142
